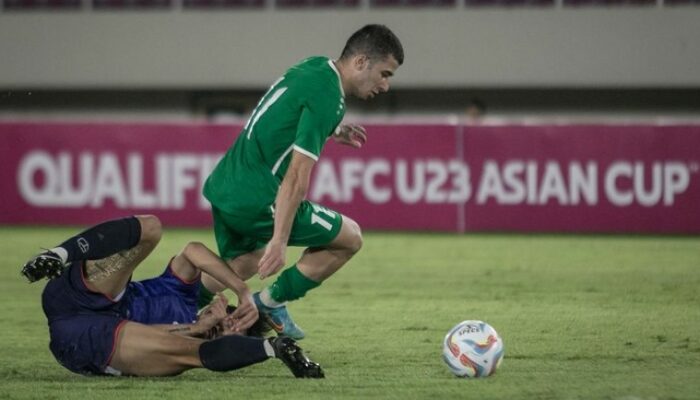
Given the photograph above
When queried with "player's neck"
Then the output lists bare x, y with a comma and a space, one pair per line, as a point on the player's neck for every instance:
344, 76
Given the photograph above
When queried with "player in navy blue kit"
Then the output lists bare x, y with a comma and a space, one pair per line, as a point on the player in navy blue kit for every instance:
102, 323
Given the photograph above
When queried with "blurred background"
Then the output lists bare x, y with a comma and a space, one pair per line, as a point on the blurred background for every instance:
475, 65
200, 59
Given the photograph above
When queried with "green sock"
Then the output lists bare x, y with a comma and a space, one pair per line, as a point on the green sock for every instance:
205, 296
291, 285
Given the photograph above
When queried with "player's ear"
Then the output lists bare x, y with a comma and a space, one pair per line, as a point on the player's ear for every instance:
360, 62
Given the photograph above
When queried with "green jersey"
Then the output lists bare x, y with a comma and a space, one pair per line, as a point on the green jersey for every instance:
298, 113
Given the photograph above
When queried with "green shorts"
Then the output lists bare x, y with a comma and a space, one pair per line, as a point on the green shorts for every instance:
313, 226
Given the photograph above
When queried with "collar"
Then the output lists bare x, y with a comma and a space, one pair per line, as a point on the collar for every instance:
340, 81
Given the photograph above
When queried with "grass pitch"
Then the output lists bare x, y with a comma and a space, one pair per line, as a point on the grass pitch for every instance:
590, 317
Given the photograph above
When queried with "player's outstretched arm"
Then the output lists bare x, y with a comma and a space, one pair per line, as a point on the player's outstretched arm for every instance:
291, 193
199, 256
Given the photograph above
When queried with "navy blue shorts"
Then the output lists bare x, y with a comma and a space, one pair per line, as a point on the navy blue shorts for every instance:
84, 325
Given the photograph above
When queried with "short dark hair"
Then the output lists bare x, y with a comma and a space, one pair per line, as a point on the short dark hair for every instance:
376, 42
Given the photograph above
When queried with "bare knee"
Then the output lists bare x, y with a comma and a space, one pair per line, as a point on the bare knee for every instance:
151, 228
246, 265
354, 239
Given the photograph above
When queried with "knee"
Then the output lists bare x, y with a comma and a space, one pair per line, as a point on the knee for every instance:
246, 265
151, 228
354, 243
193, 249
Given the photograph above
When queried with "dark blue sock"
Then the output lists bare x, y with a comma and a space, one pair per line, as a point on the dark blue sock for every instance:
103, 240
232, 352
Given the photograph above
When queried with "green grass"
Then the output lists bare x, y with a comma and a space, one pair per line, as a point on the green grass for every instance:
590, 317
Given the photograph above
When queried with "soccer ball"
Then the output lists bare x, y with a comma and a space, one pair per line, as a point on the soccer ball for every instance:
472, 349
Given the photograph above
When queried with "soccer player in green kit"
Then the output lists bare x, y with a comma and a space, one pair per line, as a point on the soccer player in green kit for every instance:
258, 189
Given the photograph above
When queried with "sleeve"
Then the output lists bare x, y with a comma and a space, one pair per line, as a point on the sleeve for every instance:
317, 122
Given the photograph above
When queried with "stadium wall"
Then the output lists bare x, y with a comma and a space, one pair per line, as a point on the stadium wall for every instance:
639, 178
628, 47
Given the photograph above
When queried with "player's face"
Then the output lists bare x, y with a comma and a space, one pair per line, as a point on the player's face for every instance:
373, 76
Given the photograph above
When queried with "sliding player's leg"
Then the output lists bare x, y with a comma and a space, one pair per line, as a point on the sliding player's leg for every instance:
110, 275
144, 350
83, 305
149, 351
97, 242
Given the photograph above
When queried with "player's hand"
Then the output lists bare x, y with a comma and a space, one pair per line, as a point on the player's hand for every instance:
351, 135
245, 315
213, 314
273, 259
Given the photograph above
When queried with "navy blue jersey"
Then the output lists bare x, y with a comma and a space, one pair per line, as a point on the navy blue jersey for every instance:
166, 299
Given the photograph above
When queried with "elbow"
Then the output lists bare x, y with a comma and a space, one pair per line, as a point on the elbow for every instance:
192, 249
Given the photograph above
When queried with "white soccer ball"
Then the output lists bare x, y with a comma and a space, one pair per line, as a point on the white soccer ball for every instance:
472, 349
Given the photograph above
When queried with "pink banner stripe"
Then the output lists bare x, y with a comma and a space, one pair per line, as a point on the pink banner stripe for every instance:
578, 178
589, 178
